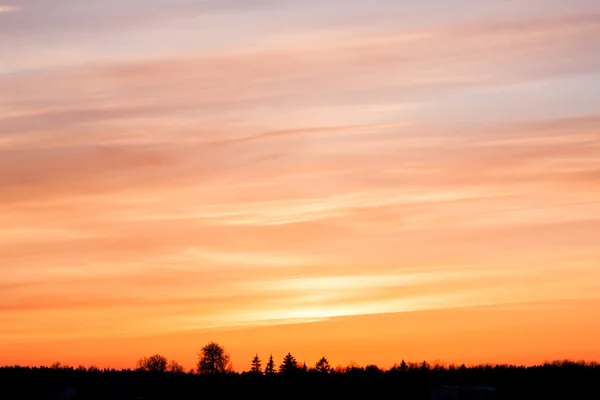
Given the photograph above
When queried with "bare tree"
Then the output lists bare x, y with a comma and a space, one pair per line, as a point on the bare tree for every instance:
214, 359
155, 363
175, 367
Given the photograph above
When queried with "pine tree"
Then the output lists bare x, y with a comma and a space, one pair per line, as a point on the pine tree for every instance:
403, 366
289, 364
270, 368
323, 366
256, 365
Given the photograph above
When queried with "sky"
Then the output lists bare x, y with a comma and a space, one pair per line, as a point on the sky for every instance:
370, 180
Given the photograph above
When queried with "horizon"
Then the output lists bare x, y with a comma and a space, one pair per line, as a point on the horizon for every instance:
371, 180
57, 365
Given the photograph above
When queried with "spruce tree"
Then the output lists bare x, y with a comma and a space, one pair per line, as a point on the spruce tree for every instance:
256, 365
270, 368
403, 366
289, 364
323, 366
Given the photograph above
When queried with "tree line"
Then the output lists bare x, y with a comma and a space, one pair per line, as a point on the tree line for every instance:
214, 359
155, 377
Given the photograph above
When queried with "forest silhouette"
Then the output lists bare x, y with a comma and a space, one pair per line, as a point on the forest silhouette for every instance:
155, 377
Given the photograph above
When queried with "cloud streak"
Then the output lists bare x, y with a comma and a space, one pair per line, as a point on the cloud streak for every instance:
6, 9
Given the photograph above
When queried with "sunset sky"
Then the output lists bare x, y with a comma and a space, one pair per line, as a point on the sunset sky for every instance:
367, 180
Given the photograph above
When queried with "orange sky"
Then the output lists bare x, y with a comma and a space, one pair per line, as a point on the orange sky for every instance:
369, 182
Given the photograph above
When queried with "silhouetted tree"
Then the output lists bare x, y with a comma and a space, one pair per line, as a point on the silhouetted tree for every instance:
155, 363
229, 369
214, 359
270, 368
403, 366
175, 367
552, 380
323, 366
289, 364
339, 369
373, 370
353, 367
256, 365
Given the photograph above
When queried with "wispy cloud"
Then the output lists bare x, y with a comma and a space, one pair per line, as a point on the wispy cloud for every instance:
5, 9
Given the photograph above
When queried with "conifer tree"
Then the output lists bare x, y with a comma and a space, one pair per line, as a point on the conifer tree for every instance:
289, 364
323, 366
403, 366
270, 368
256, 365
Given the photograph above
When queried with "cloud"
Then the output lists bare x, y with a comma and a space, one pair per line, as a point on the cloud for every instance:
6, 9
49, 17
313, 131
